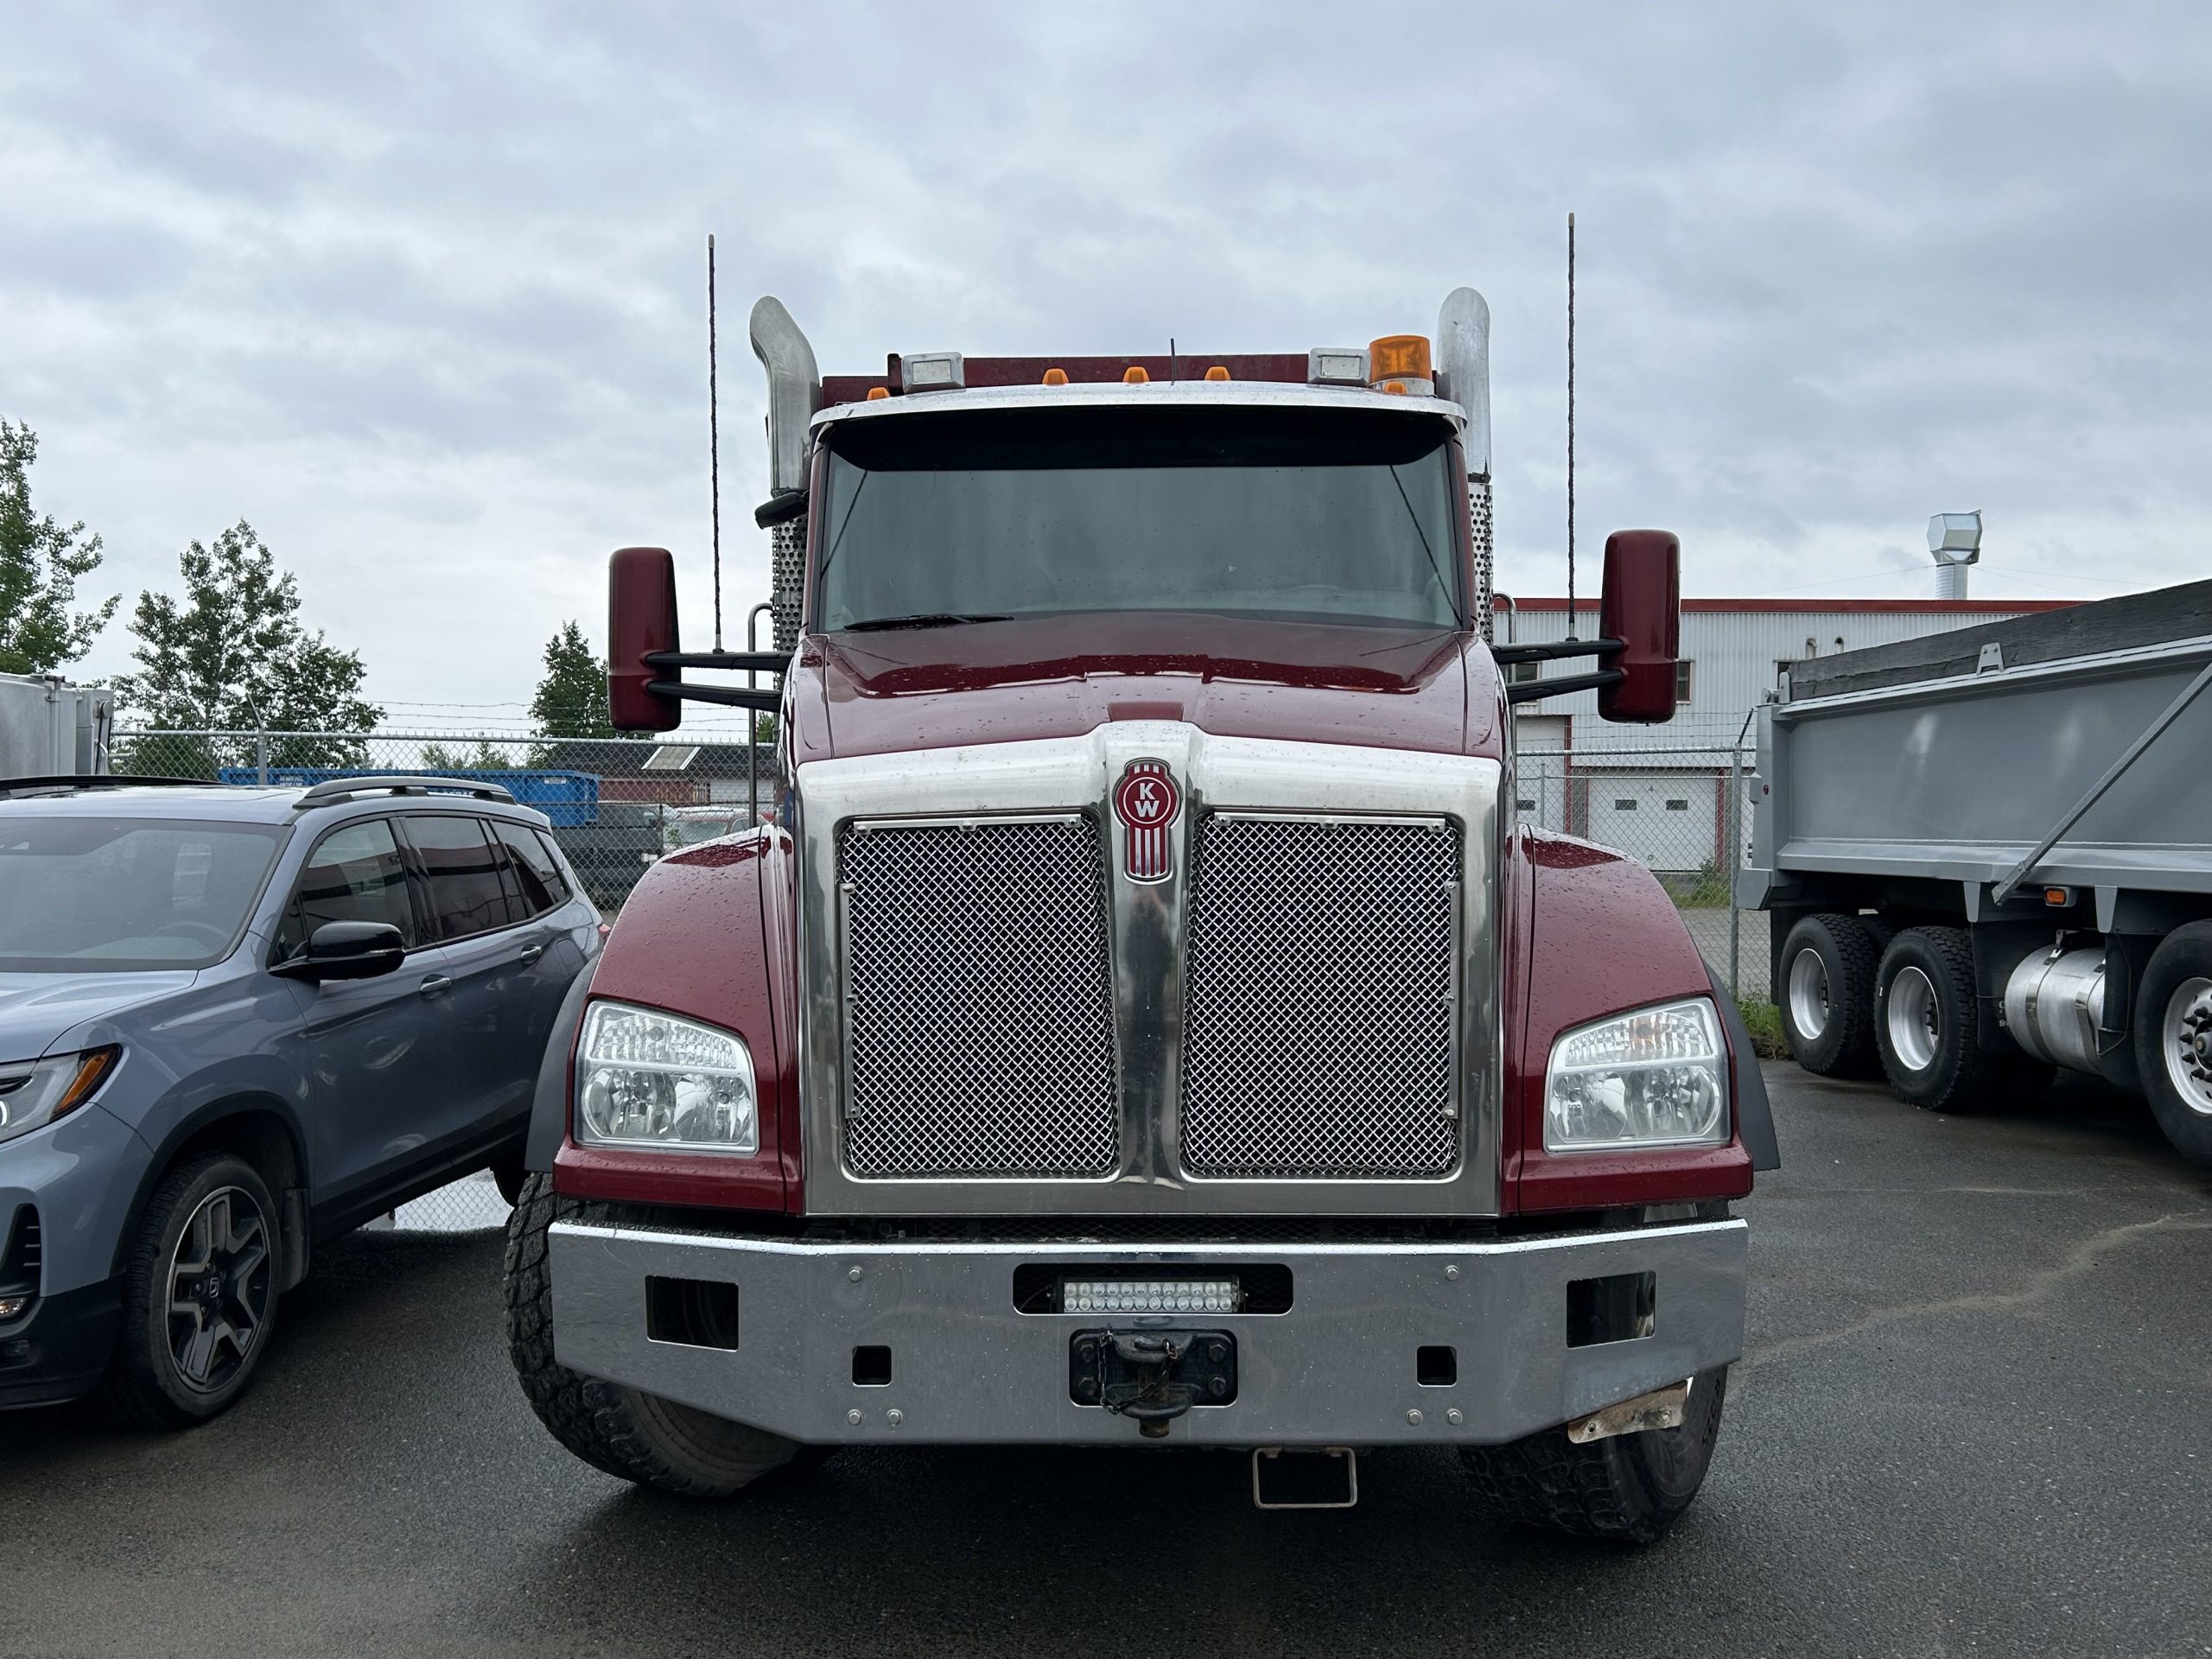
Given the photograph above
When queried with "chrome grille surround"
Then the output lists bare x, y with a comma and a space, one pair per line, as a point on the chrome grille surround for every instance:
1320, 986
1146, 926
979, 999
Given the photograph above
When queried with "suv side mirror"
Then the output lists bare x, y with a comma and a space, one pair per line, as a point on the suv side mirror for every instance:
1642, 608
346, 950
641, 621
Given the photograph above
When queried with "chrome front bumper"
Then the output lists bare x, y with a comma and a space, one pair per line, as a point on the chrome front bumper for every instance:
1337, 1369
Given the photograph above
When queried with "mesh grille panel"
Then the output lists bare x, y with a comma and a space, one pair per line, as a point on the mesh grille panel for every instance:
1318, 1027
979, 1001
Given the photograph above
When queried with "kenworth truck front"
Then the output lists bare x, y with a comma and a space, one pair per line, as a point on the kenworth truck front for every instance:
1144, 1023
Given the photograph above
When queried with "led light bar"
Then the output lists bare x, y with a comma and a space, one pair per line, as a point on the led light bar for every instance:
1150, 1296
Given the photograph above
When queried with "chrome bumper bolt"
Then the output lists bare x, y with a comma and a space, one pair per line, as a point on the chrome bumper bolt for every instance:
894, 1416
1455, 1416
854, 1416
1412, 1416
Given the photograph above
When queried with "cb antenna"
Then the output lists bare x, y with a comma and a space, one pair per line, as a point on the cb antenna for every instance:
713, 441
1570, 426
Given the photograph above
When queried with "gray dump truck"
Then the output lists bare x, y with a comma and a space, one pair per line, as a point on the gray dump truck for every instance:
1988, 853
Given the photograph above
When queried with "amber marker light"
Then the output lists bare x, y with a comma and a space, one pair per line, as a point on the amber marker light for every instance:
1056, 377
875, 392
1135, 376
1217, 372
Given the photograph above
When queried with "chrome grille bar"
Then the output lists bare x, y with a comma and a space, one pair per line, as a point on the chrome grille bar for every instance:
1321, 999
978, 999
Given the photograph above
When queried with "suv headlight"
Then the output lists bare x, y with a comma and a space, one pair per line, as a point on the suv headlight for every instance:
1657, 1077
644, 1079
33, 1095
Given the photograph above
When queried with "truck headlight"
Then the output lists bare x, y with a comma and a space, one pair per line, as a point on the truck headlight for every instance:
34, 1095
1657, 1077
644, 1079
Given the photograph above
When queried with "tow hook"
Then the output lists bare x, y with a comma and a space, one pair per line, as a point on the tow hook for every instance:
1660, 1408
1152, 1377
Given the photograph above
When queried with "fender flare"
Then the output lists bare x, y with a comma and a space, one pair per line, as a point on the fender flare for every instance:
1754, 1112
549, 1105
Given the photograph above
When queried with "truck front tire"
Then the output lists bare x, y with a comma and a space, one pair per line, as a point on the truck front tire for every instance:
1631, 1488
638, 1437
2173, 1038
1824, 986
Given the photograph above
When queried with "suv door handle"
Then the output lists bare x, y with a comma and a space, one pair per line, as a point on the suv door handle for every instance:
436, 985
531, 953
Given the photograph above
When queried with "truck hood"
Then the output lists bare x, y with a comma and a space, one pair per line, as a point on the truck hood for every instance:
36, 1009
885, 691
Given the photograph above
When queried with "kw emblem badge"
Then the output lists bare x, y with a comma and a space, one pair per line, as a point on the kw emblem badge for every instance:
1147, 801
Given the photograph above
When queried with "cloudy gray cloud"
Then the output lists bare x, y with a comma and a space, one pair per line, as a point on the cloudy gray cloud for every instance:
416, 289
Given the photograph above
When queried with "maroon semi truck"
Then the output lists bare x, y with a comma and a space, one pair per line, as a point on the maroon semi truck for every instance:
1145, 1021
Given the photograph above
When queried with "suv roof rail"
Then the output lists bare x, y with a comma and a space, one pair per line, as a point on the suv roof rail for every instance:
99, 780
332, 791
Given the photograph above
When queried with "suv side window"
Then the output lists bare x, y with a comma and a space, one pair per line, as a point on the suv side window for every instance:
466, 893
354, 874
534, 873
559, 871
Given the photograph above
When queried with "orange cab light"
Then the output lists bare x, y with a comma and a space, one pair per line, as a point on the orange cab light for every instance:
1399, 357
875, 392
1395, 388
1217, 372
1056, 377
1135, 376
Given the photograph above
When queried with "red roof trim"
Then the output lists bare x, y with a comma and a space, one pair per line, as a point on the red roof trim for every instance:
1835, 607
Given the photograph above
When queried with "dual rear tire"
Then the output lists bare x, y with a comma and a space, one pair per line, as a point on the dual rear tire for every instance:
1855, 996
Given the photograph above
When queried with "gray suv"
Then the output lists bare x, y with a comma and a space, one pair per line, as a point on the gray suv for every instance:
235, 1023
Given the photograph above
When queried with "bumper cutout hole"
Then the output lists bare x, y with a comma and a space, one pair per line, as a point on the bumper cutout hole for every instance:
696, 1312
1617, 1308
1436, 1368
872, 1368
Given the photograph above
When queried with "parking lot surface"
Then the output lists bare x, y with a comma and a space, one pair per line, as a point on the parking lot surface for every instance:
1972, 1419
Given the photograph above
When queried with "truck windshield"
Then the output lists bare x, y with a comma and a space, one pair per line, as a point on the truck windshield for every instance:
102, 894
1317, 514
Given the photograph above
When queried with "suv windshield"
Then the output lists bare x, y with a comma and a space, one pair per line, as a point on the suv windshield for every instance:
1317, 514
108, 893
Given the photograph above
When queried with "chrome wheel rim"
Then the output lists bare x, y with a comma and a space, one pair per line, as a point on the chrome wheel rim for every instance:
1915, 1021
220, 1282
2187, 1044
1808, 994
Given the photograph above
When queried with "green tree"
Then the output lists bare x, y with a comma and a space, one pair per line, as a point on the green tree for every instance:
489, 757
571, 700
233, 657
40, 562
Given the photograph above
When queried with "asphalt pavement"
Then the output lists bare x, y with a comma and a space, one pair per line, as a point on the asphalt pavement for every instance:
1973, 1419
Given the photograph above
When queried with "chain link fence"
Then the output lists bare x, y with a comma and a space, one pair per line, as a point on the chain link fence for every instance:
1684, 810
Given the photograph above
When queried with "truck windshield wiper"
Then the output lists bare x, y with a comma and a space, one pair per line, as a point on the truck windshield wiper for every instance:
920, 619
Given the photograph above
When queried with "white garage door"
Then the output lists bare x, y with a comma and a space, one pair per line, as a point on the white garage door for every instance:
1662, 819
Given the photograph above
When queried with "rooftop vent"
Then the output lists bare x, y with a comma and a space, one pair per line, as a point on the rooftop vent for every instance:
1955, 540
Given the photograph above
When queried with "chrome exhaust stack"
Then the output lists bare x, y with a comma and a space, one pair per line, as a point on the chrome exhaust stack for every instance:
794, 394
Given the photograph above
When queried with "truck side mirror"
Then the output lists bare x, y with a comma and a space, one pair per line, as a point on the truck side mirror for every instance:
1642, 608
640, 621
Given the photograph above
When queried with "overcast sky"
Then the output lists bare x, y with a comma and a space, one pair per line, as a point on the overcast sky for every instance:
418, 289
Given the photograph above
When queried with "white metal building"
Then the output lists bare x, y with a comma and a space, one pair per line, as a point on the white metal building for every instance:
1660, 792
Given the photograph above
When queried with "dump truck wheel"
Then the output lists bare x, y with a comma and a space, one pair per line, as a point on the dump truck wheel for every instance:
1631, 1488
1824, 986
638, 1437
2173, 1038
1928, 1026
